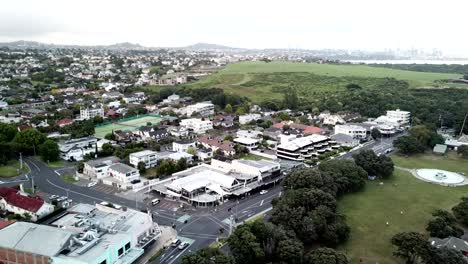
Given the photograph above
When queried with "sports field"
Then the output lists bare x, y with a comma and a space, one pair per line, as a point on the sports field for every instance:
126, 125
260, 80
367, 212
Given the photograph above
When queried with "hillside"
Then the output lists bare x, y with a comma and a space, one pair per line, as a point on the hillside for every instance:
260, 80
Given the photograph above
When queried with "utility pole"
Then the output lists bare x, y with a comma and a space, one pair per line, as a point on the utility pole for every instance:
463, 126
32, 184
21, 160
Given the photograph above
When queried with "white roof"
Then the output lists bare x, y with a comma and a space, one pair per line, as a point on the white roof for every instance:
201, 179
244, 140
302, 142
143, 153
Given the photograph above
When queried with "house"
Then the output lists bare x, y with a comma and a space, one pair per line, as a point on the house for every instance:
148, 157
112, 95
204, 109
204, 154
151, 133
457, 142
223, 121
249, 134
250, 143
90, 113
124, 136
97, 169
64, 122
114, 104
440, 149
14, 201
354, 131
123, 174
245, 119
451, 243
303, 129
197, 125
85, 234
175, 156
174, 98
216, 143
183, 145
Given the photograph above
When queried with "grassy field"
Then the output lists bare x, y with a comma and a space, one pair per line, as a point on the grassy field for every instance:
367, 212
129, 125
260, 80
12, 169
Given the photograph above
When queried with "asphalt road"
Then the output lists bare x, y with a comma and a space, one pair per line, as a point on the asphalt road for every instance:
203, 225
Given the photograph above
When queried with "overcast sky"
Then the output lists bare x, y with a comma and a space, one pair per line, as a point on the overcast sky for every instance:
310, 24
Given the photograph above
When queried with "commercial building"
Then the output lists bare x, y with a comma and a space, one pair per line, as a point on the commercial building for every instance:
245, 119
304, 148
354, 131
89, 112
204, 109
97, 169
197, 125
98, 234
208, 185
404, 116
250, 143
16, 202
149, 157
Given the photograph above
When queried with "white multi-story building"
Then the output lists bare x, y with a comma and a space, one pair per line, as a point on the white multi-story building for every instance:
75, 149
123, 173
404, 116
204, 109
245, 119
249, 134
250, 143
149, 157
197, 125
183, 146
171, 99
351, 130
89, 113
303, 148
97, 169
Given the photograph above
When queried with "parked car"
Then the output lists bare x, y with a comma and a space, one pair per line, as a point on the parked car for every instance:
91, 184
155, 201
263, 191
183, 245
175, 242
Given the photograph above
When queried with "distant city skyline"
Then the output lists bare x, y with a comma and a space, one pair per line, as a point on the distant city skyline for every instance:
333, 24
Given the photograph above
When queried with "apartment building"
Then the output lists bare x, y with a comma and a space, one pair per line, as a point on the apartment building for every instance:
354, 131
204, 109
149, 157
123, 174
197, 125
404, 116
90, 112
304, 148
97, 169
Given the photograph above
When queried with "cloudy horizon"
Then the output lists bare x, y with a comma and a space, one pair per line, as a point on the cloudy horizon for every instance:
333, 24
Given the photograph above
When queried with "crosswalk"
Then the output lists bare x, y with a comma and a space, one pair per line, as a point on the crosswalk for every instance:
104, 188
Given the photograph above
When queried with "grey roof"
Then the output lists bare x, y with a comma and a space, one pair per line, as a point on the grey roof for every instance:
342, 137
122, 168
30, 237
262, 165
440, 148
449, 242
463, 138
97, 162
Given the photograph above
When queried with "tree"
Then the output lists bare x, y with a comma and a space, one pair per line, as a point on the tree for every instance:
325, 256
228, 108
461, 210
375, 133
290, 251
463, 151
110, 136
80, 166
181, 164
353, 87
141, 167
49, 150
446, 255
7, 132
290, 100
245, 247
381, 166
107, 150
228, 138
29, 140
347, 175
207, 256
192, 151
408, 145
310, 178
410, 246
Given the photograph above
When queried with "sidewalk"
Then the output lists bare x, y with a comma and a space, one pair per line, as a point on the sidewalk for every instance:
167, 235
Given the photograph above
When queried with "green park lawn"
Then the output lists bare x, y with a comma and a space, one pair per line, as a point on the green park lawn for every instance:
368, 211
12, 169
56, 164
260, 80
69, 179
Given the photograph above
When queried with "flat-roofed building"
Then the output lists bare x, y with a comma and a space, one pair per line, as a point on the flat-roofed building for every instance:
149, 157
204, 109
304, 148
404, 116
98, 168
197, 125
250, 143
351, 130
123, 173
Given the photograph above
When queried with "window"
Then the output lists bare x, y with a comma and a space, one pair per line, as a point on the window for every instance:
127, 246
121, 251
103, 262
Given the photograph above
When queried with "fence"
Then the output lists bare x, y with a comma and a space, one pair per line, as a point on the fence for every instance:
128, 119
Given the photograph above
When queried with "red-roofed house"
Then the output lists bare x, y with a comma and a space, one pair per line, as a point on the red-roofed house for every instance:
65, 122
14, 201
306, 130
216, 143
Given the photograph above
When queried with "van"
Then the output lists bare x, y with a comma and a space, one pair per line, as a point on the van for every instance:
155, 202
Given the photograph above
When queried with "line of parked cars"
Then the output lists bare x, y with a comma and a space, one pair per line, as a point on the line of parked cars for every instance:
179, 244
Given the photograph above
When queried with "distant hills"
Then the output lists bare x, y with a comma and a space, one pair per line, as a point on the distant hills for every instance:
22, 44
208, 46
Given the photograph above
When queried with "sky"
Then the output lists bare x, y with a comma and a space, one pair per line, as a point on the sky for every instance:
306, 24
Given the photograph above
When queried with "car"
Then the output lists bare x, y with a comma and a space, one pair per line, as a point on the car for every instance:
175, 242
263, 191
54, 197
91, 184
155, 201
388, 150
183, 245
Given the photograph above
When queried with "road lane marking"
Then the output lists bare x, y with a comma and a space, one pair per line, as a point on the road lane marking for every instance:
172, 261
261, 203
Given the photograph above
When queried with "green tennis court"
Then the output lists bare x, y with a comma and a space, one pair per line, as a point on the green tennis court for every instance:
129, 124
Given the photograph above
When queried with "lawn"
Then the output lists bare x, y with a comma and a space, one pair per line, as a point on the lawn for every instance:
69, 179
260, 80
12, 169
368, 211
55, 164
253, 157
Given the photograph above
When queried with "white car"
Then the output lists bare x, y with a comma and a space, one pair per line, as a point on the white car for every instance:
263, 191
91, 184
183, 245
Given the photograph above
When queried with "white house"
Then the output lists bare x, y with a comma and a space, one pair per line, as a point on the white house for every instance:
250, 143
183, 145
98, 168
76, 149
16, 202
149, 157
171, 99
197, 125
204, 109
249, 134
123, 173
89, 113
245, 119
351, 130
